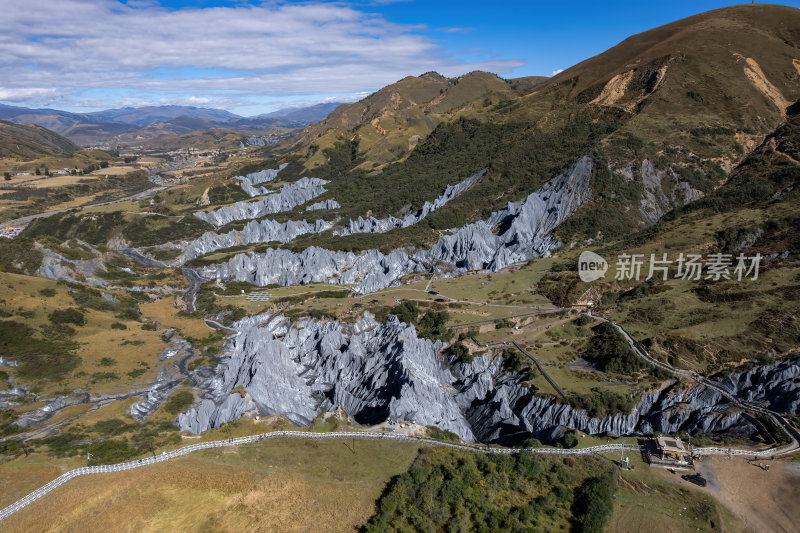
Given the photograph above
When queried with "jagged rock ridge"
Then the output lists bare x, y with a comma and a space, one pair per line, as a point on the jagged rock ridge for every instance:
290, 196
253, 233
373, 371
327, 204
374, 225
525, 233
379, 371
250, 181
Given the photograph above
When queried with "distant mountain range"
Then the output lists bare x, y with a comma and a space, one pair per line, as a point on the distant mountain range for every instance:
131, 123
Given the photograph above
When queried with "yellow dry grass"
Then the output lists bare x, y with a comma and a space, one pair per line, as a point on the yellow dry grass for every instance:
280, 485
165, 313
128, 348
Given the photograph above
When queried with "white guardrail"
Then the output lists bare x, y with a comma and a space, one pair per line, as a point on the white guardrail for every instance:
165, 456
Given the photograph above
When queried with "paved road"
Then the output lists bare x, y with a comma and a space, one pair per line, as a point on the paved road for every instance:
24, 221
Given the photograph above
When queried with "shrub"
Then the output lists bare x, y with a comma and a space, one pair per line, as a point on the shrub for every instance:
610, 351
432, 326
118, 325
503, 323
179, 402
111, 451
407, 311
441, 434
103, 376
107, 361
67, 316
136, 372
38, 358
460, 352
111, 427
570, 439
57, 331
48, 292
583, 320
594, 502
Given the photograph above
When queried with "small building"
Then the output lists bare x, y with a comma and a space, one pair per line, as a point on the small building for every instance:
672, 449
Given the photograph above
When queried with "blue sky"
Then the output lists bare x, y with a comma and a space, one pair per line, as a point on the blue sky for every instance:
254, 57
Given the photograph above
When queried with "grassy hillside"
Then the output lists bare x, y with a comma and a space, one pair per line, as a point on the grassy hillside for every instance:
391, 122
28, 141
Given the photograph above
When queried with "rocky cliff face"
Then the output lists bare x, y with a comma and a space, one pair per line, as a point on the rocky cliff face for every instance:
250, 181
373, 371
253, 233
776, 386
327, 204
289, 197
56, 266
662, 190
368, 271
379, 371
524, 229
374, 225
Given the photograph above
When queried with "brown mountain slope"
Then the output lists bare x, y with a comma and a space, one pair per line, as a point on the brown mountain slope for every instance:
28, 141
390, 122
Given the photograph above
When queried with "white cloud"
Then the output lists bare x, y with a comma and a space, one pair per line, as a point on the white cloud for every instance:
556, 71
27, 93
217, 54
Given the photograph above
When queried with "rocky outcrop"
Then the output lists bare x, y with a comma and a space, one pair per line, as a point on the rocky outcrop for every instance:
373, 371
290, 196
327, 204
523, 232
662, 189
56, 266
155, 396
253, 233
368, 271
377, 371
256, 140
52, 407
523, 228
374, 225
250, 181
775, 386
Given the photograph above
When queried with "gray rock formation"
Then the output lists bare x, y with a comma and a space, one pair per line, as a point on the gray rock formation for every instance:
250, 181
662, 190
373, 371
156, 395
256, 140
524, 227
775, 386
290, 196
374, 225
253, 233
524, 232
368, 271
327, 204
379, 371
56, 266
52, 407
